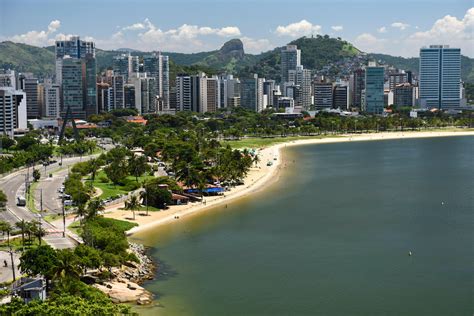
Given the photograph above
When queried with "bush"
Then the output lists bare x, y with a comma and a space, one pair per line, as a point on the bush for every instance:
103, 179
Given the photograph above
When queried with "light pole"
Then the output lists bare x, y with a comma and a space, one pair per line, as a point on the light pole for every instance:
64, 217
12, 263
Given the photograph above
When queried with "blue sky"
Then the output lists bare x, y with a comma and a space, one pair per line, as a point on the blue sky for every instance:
395, 27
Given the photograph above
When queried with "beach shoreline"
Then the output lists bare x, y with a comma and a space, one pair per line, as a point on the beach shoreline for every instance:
258, 178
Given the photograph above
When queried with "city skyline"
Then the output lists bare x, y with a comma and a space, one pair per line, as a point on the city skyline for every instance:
187, 26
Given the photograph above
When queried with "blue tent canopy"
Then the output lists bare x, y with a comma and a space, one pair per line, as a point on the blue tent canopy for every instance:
207, 190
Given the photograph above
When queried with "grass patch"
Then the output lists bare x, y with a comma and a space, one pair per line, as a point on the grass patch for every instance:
30, 203
255, 142
109, 189
17, 244
75, 227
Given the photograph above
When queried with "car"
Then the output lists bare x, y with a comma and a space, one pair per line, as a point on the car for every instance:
68, 203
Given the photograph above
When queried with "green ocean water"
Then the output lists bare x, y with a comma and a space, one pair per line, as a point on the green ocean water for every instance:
332, 237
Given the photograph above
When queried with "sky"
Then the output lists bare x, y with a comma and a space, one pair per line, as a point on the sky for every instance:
397, 28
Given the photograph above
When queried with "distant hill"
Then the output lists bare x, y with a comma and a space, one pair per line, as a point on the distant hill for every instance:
27, 58
316, 52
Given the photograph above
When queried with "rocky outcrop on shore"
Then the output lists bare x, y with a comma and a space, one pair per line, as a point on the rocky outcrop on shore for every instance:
124, 285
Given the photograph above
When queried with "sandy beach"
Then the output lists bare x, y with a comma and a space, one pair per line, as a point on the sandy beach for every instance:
258, 177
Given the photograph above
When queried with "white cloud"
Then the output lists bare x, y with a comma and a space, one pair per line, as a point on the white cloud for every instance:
337, 28
382, 29
449, 30
400, 25
369, 43
37, 38
298, 29
134, 27
255, 46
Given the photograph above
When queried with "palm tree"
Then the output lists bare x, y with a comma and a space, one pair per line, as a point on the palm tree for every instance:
93, 208
94, 166
144, 196
67, 265
24, 227
132, 204
5, 227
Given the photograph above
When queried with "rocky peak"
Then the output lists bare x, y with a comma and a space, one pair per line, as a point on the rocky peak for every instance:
233, 48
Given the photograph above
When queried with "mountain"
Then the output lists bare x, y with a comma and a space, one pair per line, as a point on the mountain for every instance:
316, 53
27, 58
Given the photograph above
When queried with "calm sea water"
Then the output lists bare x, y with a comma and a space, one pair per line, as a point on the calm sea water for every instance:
332, 237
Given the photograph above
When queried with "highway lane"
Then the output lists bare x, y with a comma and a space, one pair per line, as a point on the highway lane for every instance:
14, 185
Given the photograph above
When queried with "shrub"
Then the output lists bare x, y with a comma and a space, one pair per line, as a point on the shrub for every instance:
103, 179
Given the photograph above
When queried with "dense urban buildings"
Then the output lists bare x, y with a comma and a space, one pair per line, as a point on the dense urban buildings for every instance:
440, 77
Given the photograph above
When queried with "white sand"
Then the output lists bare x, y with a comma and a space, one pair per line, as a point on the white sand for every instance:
257, 178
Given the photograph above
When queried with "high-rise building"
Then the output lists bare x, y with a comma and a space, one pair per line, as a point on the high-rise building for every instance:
229, 91
183, 93
251, 93
303, 80
396, 79
129, 96
7, 78
72, 87
404, 95
51, 99
103, 97
73, 47
374, 90
79, 57
269, 91
157, 65
323, 95
199, 93
30, 86
290, 59
358, 85
12, 110
145, 93
213, 94
341, 97
440, 77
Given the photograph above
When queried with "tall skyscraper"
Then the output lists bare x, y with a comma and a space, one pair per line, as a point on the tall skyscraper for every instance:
303, 80
12, 110
157, 65
290, 59
72, 87
145, 93
199, 93
251, 93
213, 94
374, 92
79, 58
30, 86
440, 77
358, 85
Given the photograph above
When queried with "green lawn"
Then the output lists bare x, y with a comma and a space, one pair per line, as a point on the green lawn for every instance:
30, 203
109, 189
17, 244
255, 142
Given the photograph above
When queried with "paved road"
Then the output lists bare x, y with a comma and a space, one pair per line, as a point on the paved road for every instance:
6, 273
14, 185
